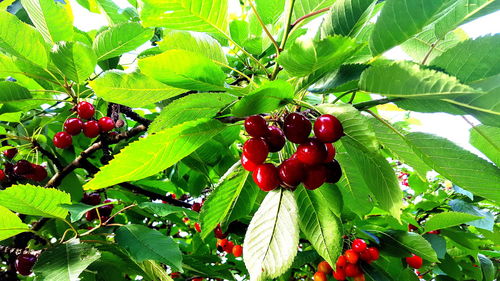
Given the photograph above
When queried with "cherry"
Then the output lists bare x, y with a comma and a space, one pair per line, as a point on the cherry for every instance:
297, 127
24, 264
275, 139
10, 153
358, 245
39, 173
351, 256
360, 277
330, 152
237, 251
341, 262
185, 220
414, 261
105, 211
411, 227
23, 168
339, 274
106, 124
266, 177
62, 140
73, 126
256, 126
247, 164
366, 256
218, 232
352, 270
312, 152
256, 150
434, 232
91, 215
2, 175
324, 267
291, 172
315, 176
374, 253
221, 243
328, 128
85, 110
196, 207
333, 171
319, 276
174, 275
91, 199
197, 227
198, 279
91, 129
228, 248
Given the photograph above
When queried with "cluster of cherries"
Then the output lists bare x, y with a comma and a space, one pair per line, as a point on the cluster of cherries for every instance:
90, 128
94, 199
312, 164
22, 168
24, 263
224, 245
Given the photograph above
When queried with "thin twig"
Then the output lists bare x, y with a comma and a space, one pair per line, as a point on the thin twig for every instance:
297, 21
264, 27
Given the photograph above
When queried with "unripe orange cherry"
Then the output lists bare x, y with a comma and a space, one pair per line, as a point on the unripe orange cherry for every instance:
319, 276
324, 267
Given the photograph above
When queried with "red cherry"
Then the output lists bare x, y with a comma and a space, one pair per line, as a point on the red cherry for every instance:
351, 256
319, 276
198, 279
91, 129
237, 251
10, 153
39, 173
174, 275
221, 243
374, 253
256, 126
256, 150
2, 175
411, 227
328, 128
352, 270
297, 127
341, 262
228, 248
62, 140
91, 199
312, 152
339, 274
106, 124
333, 172
91, 215
360, 277
414, 261
23, 168
105, 211
324, 267
275, 139
358, 245
315, 176
291, 172
196, 207
366, 256
85, 110
73, 126
266, 177
247, 164
197, 227
218, 232
330, 151
434, 232
24, 264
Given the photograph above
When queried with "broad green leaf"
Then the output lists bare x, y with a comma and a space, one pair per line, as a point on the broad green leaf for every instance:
53, 19
330, 193
196, 42
448, 219
184, 69
272, 237
199, 266
304, 7
155, 153
163, 210
155, 271
5, 4
113, 13
438, 243
413, 242
131, 89
35, 200
320, 226
401, 19
270, 11
458, 165
12, 92
10, 224
355, 125
487, 140
193, 15
481, 61
488, 219
78, 210
252, 39
346, 78
76, 60
8, 68
65, 262
21, 40
144, 243
408, 80
190, 107
90, 5
487, 267
306, 56
485, 107
347, 17
221, 202
267, 98
120, 39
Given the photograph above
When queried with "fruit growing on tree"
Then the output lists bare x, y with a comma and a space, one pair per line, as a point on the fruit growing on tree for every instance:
10, 153
237, 251
324, 267
297, 128
73, 126
328, 128
24, 263
319, 276
106, 124
91, 129
414, 261
256, 126
266, 176
62, 140
85, 110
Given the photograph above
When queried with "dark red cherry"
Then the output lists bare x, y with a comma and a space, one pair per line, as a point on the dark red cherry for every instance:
91, 129
275, 139
23, 168
2, 175
256, 126
196, 207
105, 211
24, 264
333, 172
91, 199
315, 176
39, 173
91, 215
218, 232
106, 124
312, 152
297, 128
62, 140
330, 151
85, 110
10, 153
266, 177
291, 172
328, 128
247, 164
256, 150
73, 126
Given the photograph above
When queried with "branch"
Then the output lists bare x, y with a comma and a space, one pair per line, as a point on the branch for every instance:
134, 116
153, 195
18, 251
48, 154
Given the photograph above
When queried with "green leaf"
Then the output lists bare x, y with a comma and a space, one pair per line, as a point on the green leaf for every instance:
304, 7
35, 200
320, 226
485, 107
458, 165
481, 61
487, 267
53, 19
120, 39
268, 97
221, 202
65, 262
401, 19
10, 224
155, 271
487, 140
131, 89
163, 210
347, 17
488, 219
114, 14
78, 210
76, 60
21, 40
193, 15
408, 80
155, 153
344, 79
12, 92
190, 107
184, 69
438, 243
305, 56
413, 242
196, 42
144, 243
270, 11
331, 195
448, 219
5, 4
272, 237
